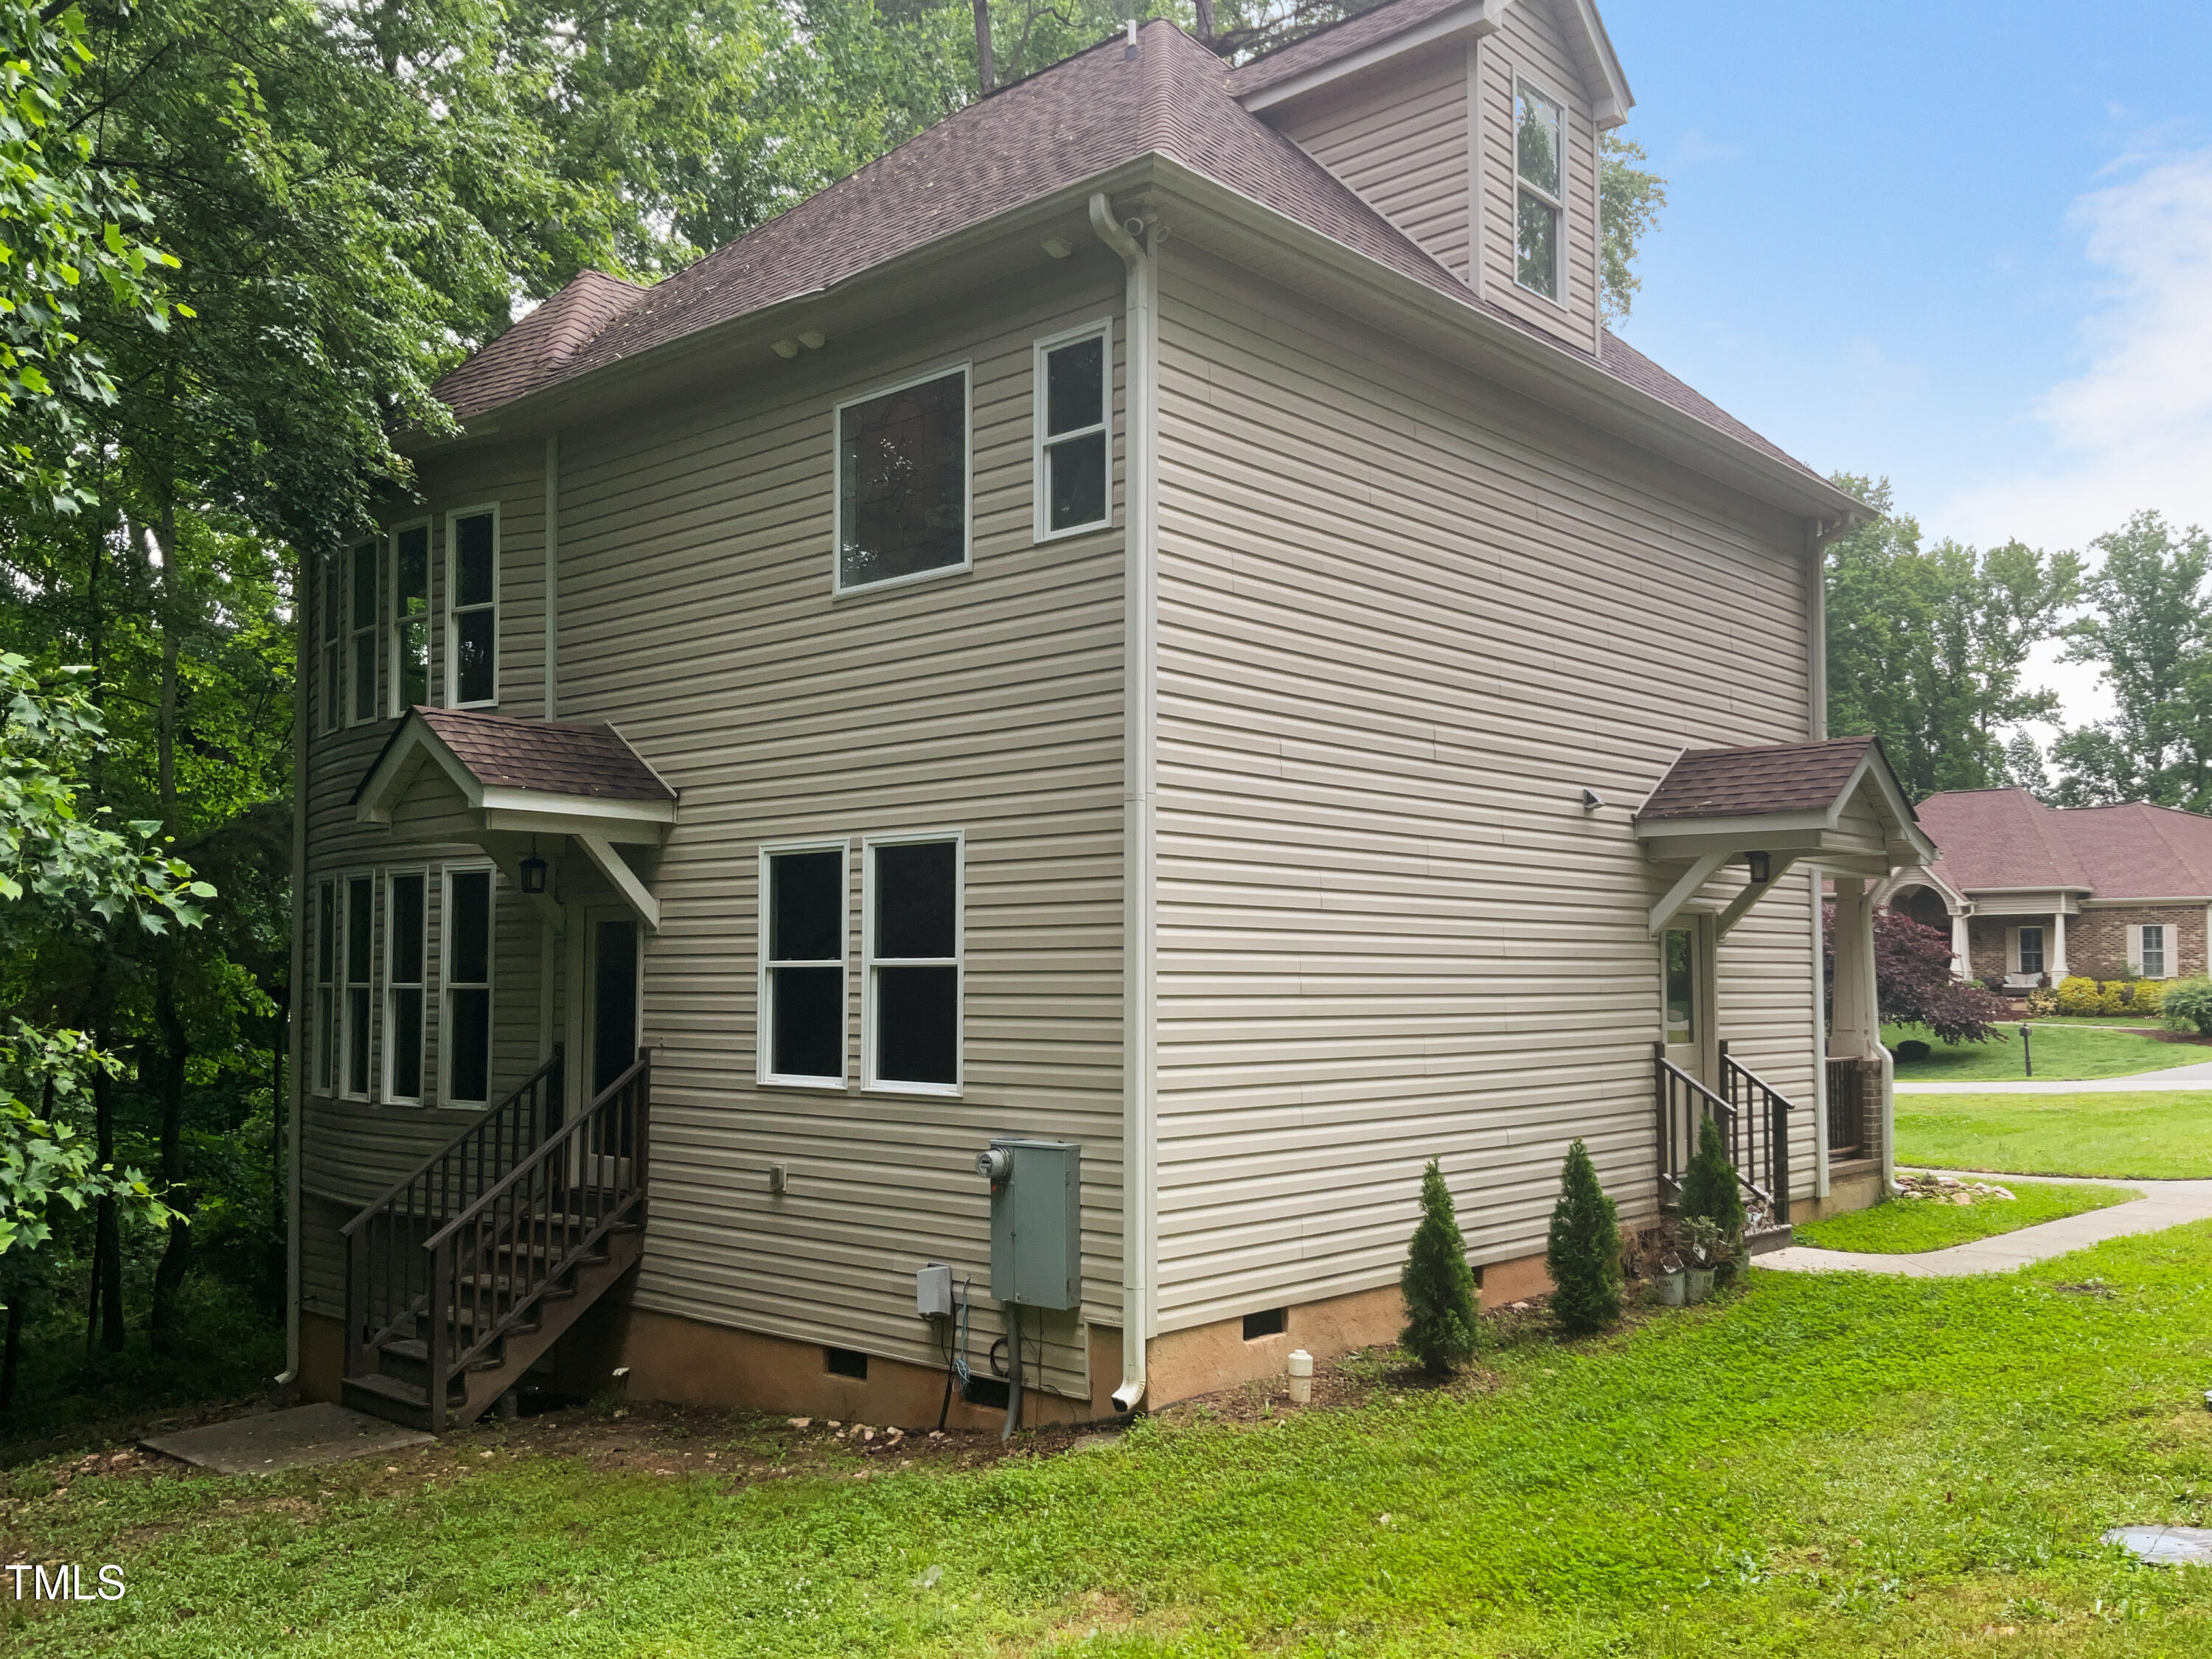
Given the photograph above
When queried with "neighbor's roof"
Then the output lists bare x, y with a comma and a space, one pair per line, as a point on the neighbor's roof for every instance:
552, 757
1339, 39
2006, 838
1078, 119
1781, 777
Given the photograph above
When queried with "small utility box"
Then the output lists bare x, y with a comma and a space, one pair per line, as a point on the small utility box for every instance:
1036, 1221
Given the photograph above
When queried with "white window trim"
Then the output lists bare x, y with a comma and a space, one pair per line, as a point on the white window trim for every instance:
355, 630
2012, 948
958, 961
1042, 530
330, 647
429, 528
452, 678
345, 879
488, 983
390, 1096
765, 1002
965, 370
1566, 177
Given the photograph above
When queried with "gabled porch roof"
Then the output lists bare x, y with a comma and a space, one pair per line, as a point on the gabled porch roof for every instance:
1835, 802
522, 778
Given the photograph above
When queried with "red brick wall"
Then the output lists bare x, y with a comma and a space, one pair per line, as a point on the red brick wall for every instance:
2096, 940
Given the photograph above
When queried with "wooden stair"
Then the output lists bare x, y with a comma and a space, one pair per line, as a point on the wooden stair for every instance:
464, 1272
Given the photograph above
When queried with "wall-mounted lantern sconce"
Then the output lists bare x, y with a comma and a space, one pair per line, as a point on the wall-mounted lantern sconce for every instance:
533, 872
1762, 868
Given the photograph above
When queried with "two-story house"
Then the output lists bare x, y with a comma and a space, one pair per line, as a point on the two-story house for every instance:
1155, 617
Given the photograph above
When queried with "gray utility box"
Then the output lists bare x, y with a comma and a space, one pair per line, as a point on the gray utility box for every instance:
1036, 1224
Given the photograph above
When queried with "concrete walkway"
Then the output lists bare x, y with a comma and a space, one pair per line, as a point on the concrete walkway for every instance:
2171, 1077
2163, 1204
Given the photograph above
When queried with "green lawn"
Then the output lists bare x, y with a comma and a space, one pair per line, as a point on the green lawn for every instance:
2151, 1136
1907, 1225
2067, 1053
1824, 1466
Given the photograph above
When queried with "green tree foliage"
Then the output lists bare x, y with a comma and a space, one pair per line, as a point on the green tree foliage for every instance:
1630, 196
1928, 647
1438, 1284
2150, 633
1583, 1251
1709, 1187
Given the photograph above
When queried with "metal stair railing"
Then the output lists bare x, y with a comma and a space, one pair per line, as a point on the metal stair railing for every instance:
1754, 1123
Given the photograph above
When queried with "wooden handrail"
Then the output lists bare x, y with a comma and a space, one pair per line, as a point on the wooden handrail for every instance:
475, 1125
568, 1132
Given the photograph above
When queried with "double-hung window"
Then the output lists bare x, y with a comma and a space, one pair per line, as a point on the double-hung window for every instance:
910, 1021
361, 630
333, 641
326, 987
2030, 949
472, 607
465, 1037
802, 990
359, 939
902, 482
1540, 168
2150, 952
1074, 403
406, 900
411, 617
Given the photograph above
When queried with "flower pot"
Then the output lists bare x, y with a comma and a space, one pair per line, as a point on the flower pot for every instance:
1672, 1288
1701, 1284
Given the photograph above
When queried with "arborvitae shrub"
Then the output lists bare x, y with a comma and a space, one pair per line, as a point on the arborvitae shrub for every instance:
1438, 1284
1583, 1252
1709, 1185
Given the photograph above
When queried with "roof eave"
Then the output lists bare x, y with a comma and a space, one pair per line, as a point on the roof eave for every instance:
1477, 17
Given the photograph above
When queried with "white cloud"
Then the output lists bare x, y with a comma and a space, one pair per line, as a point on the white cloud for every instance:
1693, 146
2134, 428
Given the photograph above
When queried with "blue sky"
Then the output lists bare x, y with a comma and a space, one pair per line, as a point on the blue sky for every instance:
1968, 246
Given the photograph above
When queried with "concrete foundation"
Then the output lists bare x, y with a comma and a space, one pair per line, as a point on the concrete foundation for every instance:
1854, 1185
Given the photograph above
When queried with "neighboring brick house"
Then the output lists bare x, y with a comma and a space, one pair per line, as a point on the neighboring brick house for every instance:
2032, 893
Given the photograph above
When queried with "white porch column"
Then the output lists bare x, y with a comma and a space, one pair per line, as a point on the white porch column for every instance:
1962, 949
2058, 970
1856, 1032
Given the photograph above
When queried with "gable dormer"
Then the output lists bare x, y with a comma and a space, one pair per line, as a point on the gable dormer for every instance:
1473, 125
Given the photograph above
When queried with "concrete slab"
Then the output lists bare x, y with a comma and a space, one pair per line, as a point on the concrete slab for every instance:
272, 1441
2164, 1203
2195, 1078
2164, 1546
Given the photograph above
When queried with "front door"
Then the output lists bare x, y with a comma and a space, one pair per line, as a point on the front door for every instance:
1686, 965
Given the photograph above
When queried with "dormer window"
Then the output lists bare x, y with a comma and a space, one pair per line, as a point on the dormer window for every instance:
1540, 157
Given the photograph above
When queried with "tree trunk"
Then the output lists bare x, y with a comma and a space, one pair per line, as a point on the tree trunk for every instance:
169, 1276
985, 75
11, 1352
1205, 9
103, 1311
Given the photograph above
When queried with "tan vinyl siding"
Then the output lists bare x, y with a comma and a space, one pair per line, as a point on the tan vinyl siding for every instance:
1404, 621
1530, 42
696, 614
1399, 137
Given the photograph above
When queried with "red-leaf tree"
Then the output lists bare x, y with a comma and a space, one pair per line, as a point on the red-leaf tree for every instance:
1912, 979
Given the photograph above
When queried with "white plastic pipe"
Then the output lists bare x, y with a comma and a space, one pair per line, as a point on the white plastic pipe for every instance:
1300, 1377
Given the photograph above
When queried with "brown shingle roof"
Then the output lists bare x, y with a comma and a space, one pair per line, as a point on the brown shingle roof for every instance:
1781, 777
554, 757
1071, 122
2001, 838
1341, 39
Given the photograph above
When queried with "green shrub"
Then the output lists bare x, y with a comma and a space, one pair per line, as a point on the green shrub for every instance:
1438, 1284
1583, 1253
1709, 1185
2116, 996
2077, 995
2150, 997
2188, 1005
1913, 1048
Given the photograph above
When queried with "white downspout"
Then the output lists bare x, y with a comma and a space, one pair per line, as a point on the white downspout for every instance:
552, 575
295, 1048
1816, 729
1140, 853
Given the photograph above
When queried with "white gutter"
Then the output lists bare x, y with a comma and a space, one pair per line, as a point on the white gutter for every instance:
552, 575
1816, 729
1139, 847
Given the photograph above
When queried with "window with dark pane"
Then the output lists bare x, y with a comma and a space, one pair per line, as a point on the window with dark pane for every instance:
473, 609
405, 917
805, 988
361, 584
915, 963
326, 975
466, 1036
902, 482
411, 617
360, 952
1540, 169
1076, 401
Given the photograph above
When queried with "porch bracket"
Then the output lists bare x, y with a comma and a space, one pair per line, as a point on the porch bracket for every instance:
1680, 893
1751, 894
616, 869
